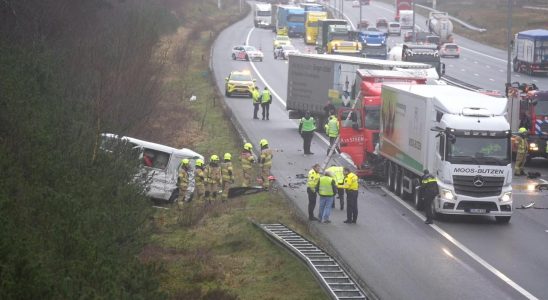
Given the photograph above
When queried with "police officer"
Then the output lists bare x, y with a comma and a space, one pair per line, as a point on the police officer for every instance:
266, 99
429, 190
338, 175
213, 179
312, 182
307, 126
351, 186
332, 131
265, 162
228, 175
521, 156
326, 188
247, 160
256, 101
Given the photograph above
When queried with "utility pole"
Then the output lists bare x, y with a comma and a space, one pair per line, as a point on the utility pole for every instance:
414, 33
342, 9
219, 4
360, 12
509, 43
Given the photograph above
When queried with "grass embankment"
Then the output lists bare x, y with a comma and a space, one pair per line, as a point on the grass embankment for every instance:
491, 15
215, 253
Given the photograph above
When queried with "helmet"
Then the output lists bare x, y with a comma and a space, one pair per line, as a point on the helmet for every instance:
522, 130
185, 161
199, 162
263, 143
227, 156
214, 157
248, 146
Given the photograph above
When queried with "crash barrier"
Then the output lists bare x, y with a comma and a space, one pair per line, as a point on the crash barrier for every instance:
469, 26
336, 281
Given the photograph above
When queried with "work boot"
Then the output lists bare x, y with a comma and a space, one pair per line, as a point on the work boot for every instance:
428, 221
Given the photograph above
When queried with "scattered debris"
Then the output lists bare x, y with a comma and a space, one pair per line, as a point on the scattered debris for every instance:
533, 175
300, 176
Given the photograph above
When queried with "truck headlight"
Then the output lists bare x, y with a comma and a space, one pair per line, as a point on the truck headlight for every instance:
506, 197
533, 146
447, 194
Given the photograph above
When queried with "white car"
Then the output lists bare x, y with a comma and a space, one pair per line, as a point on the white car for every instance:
394, 28
355, 3
284, 51
243, 52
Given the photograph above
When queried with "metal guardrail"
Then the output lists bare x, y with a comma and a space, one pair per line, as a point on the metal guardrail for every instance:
337, 283
469, 26
459, 83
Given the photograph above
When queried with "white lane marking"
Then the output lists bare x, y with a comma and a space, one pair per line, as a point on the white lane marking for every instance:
464, 249
501, 70
259, 74
491, 79
462, 70
477, 52
476, 74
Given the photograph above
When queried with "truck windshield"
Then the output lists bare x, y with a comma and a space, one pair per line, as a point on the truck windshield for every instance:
339, 36
541, 108
295, 18
312, 24
372, 118
263, 13
479, 150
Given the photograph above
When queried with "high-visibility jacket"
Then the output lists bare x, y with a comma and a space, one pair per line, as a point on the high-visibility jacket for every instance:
351, 182
199, 177
266, 97
213, 174
332, 127
183, 177
256, 96
338, 175
247, 159
266, 158
522, 145
326, 186
227, 171
308, 124
429, 185
313, 178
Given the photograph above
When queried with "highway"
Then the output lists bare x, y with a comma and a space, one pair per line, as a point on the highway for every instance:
391, 249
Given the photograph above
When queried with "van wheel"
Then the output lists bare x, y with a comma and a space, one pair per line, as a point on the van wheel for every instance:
503, 220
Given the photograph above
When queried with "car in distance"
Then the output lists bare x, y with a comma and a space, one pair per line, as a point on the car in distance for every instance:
244, 52
355, 3
239, 83
281, 40
284, 51
382, 23
450, 49
394, 28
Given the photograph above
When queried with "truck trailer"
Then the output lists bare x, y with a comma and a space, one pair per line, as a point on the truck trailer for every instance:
530, 53
290, 19
316, 82
462, 137
439, 24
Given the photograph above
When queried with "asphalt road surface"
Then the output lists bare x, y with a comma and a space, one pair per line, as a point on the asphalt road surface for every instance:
391, 249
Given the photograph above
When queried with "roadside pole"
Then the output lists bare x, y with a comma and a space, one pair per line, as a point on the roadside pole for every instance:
509, 43
414, 34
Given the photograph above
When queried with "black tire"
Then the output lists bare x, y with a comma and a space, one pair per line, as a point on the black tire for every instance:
390, 177
227, 93
260, 59
283, 57
502, 220
174, 196
233, 56
398, 188
515, 66
416, 196
246, 57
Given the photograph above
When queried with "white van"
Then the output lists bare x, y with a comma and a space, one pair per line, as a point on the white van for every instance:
160, 165
263, 15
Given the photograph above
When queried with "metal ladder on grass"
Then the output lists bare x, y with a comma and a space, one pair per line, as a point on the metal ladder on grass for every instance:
331, 275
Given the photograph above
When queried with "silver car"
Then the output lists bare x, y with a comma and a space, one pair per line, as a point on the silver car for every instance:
284, 51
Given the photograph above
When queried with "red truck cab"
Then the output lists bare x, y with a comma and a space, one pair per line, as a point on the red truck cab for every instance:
359, 132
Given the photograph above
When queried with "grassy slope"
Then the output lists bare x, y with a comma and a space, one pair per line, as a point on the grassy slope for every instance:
217, 253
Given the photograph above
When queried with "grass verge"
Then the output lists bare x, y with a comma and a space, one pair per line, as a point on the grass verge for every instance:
215, 253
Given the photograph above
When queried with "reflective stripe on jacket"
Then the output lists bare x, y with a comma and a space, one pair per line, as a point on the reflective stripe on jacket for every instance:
338, 175
313, 178
247, 160
266, 158
266, 97
351, 182
308, 124
326, 186
226, 170
332, 127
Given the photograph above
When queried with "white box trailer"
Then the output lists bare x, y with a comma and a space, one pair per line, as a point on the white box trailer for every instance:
263, 15
461, 137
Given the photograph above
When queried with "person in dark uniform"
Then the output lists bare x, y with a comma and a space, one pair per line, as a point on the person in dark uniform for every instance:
429, 190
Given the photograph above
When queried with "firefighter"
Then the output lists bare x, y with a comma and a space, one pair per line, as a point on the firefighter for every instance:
521, 156
199, 178
265, 162
228, 175
247, 160
183, 181
332, 131
429, 190
213, 178
256, 96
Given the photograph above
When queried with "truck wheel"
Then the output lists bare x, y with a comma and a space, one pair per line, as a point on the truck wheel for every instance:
398, 188
246, 57
390, 178
417, 201
503, 220
233, 56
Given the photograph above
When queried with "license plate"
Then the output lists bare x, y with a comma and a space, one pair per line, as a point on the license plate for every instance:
478, 210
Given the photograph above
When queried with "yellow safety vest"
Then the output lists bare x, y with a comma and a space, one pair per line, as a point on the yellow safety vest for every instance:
313, 178
308, 124
326, 189
265, 98
338, 175
351, 182
256, 96
429, 179
332, 127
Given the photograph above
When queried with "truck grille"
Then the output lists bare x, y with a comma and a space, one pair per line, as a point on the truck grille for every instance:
464, 185
467, 205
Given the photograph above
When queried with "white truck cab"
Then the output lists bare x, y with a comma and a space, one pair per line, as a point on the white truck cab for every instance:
263, 15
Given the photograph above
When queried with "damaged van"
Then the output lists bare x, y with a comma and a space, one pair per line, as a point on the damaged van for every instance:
159, 165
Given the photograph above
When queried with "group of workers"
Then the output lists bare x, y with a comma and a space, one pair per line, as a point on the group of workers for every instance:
216, 176
262, 99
